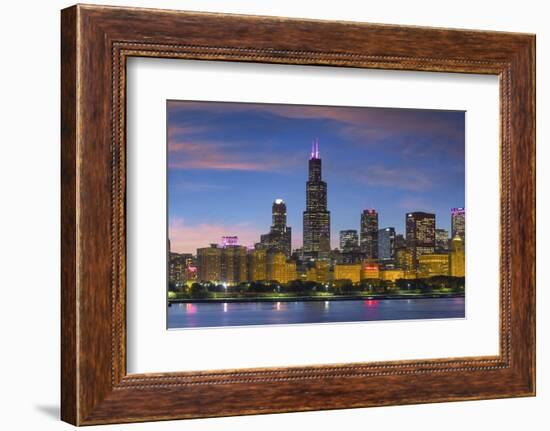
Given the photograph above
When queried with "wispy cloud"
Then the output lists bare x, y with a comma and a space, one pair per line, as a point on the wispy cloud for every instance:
185, 130
392, 177
367, 125
197, 186
187, 237
199, 154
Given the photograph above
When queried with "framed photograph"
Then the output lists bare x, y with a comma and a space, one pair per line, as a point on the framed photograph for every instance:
264, 214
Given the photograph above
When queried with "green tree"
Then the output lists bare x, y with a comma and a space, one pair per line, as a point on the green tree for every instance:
199, 291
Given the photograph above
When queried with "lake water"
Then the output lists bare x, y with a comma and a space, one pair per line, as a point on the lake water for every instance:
203, 314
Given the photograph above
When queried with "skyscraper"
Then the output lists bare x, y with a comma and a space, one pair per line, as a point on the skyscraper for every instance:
369, 233
441, 240
458, 223
316, 215
420, 234
349, 240
386, 243
279, 238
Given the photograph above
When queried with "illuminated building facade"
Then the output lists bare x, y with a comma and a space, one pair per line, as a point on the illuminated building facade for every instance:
349, 240
176, 270
209, 263
420, 235
319, 273
431, 265
279, 269
234, 264
348, 272
257, 265
370, 270
279, 238
349, 247
441, 240
316, 216
392, 275
457, 257
404, 259
386, 243
458, 223
369, 233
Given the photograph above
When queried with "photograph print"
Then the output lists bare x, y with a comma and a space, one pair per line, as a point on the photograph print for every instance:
300, 214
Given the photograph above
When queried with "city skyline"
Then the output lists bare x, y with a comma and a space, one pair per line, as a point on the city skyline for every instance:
228, 162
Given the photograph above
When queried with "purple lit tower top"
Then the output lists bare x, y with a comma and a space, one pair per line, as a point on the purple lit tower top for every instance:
228, 241
315, 149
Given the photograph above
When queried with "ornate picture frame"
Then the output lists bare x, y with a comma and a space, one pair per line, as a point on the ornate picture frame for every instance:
96, 41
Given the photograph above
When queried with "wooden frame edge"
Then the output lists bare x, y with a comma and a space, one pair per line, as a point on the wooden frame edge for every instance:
86, 401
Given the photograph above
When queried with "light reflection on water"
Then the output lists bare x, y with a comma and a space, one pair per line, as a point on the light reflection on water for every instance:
203, 314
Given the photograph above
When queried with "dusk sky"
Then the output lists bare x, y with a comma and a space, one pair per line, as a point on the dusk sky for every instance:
227, 162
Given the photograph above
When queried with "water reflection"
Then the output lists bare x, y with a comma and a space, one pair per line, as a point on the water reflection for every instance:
204, 314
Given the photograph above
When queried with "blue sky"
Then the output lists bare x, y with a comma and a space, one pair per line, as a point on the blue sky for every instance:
227, 162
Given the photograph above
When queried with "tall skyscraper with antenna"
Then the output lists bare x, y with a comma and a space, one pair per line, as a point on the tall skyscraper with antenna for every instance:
316, 215
279, 238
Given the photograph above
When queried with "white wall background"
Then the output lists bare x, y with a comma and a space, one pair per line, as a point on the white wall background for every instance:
29, 216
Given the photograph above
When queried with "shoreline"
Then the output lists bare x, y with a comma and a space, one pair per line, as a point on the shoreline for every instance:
317, 298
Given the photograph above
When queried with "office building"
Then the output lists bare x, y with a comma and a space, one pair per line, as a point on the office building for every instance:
386, 243
457, 257
458, 223
234, 264
420, 234
348, 272
349, 240
404, 259
441, 240
369, 234
279, 238
209, 263
280, 269
319, 272
257, 265
431, 265
316, 236
370, 270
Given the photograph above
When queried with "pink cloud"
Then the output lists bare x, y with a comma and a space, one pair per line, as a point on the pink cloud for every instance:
174, 131
195, 154
187, 237
190, 153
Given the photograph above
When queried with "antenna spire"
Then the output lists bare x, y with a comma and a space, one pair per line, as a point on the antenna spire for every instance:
317, 148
